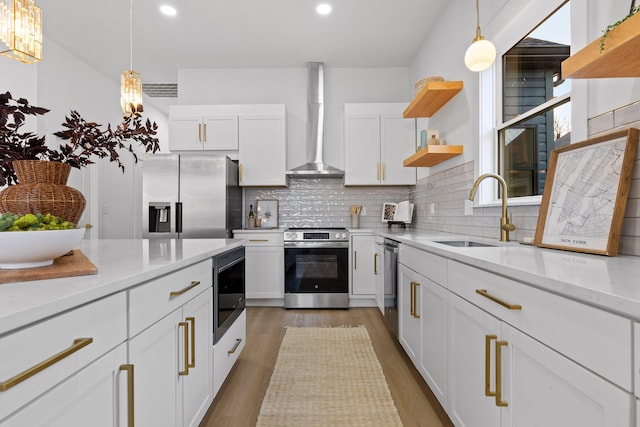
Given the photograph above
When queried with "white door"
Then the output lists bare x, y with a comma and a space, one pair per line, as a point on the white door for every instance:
543, 388
264, 272
363, 279
87, 398
398, 143
197, 385
362, 149
469, 328
157, 355
433, 347
409, 311
220, 133
261, 150
185, 133
379, 272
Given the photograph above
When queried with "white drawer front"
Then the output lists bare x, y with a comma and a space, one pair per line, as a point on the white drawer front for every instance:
592, 337
261, 239
227, 350
431, 266
104, 322
153, 300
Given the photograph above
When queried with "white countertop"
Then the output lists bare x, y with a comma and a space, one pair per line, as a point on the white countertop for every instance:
611, 283
121, 264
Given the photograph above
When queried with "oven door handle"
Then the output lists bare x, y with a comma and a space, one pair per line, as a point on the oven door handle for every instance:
231, 264
304, 245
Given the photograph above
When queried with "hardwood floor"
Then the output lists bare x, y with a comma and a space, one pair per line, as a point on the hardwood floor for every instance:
238, 402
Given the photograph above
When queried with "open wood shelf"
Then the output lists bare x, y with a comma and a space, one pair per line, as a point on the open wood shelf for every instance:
432, 155
619, 59
431, 98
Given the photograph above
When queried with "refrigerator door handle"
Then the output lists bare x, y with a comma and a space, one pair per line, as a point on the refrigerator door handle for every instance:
178, 217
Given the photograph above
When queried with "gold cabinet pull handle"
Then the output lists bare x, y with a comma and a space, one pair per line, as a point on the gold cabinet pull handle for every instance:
199, 132
375, 264
205, 132
258, 240
355, 260
183, 290
382, 167
240, 168
378, 171
78, 343
415, 300
499, 401
192, 361
411, 299
235, 346
486, 294
487, 364
130, 395
185, 325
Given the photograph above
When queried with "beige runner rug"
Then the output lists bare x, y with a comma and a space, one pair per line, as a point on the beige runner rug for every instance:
327, 377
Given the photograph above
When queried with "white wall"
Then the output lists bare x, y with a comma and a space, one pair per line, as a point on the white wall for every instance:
62, 82
289, 86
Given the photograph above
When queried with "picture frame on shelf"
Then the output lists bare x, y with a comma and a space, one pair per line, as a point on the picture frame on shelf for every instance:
585, 194
268, 211
389, 211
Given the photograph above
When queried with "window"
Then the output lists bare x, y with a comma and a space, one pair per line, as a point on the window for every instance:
536, 105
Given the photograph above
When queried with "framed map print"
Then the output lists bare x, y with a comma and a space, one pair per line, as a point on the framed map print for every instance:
585, 194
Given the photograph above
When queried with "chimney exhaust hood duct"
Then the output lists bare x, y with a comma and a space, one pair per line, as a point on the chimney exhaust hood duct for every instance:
315, 166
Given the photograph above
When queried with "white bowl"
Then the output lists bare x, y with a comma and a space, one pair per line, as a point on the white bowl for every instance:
26, 249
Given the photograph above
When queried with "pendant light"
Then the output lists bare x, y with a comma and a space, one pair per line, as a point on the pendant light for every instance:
130, 85
21, 30
481, 54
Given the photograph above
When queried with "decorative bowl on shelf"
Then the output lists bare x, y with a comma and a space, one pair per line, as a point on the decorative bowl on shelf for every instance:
27, 249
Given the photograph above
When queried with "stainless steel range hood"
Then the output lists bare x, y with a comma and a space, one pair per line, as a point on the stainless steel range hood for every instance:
315, 166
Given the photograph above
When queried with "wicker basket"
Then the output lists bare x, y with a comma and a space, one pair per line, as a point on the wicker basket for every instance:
420, 84
42, 189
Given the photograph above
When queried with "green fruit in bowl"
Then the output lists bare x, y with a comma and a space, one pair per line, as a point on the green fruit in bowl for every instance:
33, 222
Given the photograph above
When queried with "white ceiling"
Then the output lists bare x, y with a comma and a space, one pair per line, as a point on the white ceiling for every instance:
238, 33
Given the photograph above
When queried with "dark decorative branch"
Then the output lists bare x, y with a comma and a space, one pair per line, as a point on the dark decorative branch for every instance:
85, 140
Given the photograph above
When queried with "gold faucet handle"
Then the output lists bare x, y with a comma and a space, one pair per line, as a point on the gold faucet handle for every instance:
508, 227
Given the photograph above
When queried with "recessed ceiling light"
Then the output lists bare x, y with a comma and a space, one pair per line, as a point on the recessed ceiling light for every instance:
323, 8
168, 10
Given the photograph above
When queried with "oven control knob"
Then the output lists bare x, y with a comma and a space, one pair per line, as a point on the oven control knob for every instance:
344, 235
287, 236
337, 235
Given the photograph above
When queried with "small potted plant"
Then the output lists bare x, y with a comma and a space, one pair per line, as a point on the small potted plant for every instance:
26, 159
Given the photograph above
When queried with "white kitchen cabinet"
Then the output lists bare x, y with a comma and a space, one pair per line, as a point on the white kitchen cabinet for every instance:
499, 376
264, 265
262, 148
170, 346
364, 265
202, 128
73, 340
377, 140
227, 350
469, 366
378, 258
409, 311
423, 316
95, 396
173, 366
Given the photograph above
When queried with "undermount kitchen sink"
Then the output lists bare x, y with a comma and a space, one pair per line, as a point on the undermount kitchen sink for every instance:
465, 244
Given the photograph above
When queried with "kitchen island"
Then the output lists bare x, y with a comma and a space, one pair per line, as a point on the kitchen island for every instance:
74, 342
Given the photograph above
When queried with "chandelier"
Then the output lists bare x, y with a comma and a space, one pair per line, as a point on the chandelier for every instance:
21, 30
130, 85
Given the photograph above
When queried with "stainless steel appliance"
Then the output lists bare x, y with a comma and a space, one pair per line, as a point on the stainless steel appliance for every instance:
390, 285
316, 268
228, 290
190, 196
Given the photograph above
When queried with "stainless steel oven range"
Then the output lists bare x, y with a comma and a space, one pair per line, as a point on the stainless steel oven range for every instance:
316, 268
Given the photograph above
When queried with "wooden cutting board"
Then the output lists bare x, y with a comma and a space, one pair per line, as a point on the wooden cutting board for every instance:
75, 263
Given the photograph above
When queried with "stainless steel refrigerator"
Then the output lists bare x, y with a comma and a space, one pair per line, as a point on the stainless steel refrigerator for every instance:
190, 196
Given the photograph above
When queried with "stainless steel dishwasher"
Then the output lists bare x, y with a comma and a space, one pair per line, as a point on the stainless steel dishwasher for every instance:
390, 284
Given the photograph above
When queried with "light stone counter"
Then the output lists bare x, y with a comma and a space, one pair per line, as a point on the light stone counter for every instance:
121, 264
610, 283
